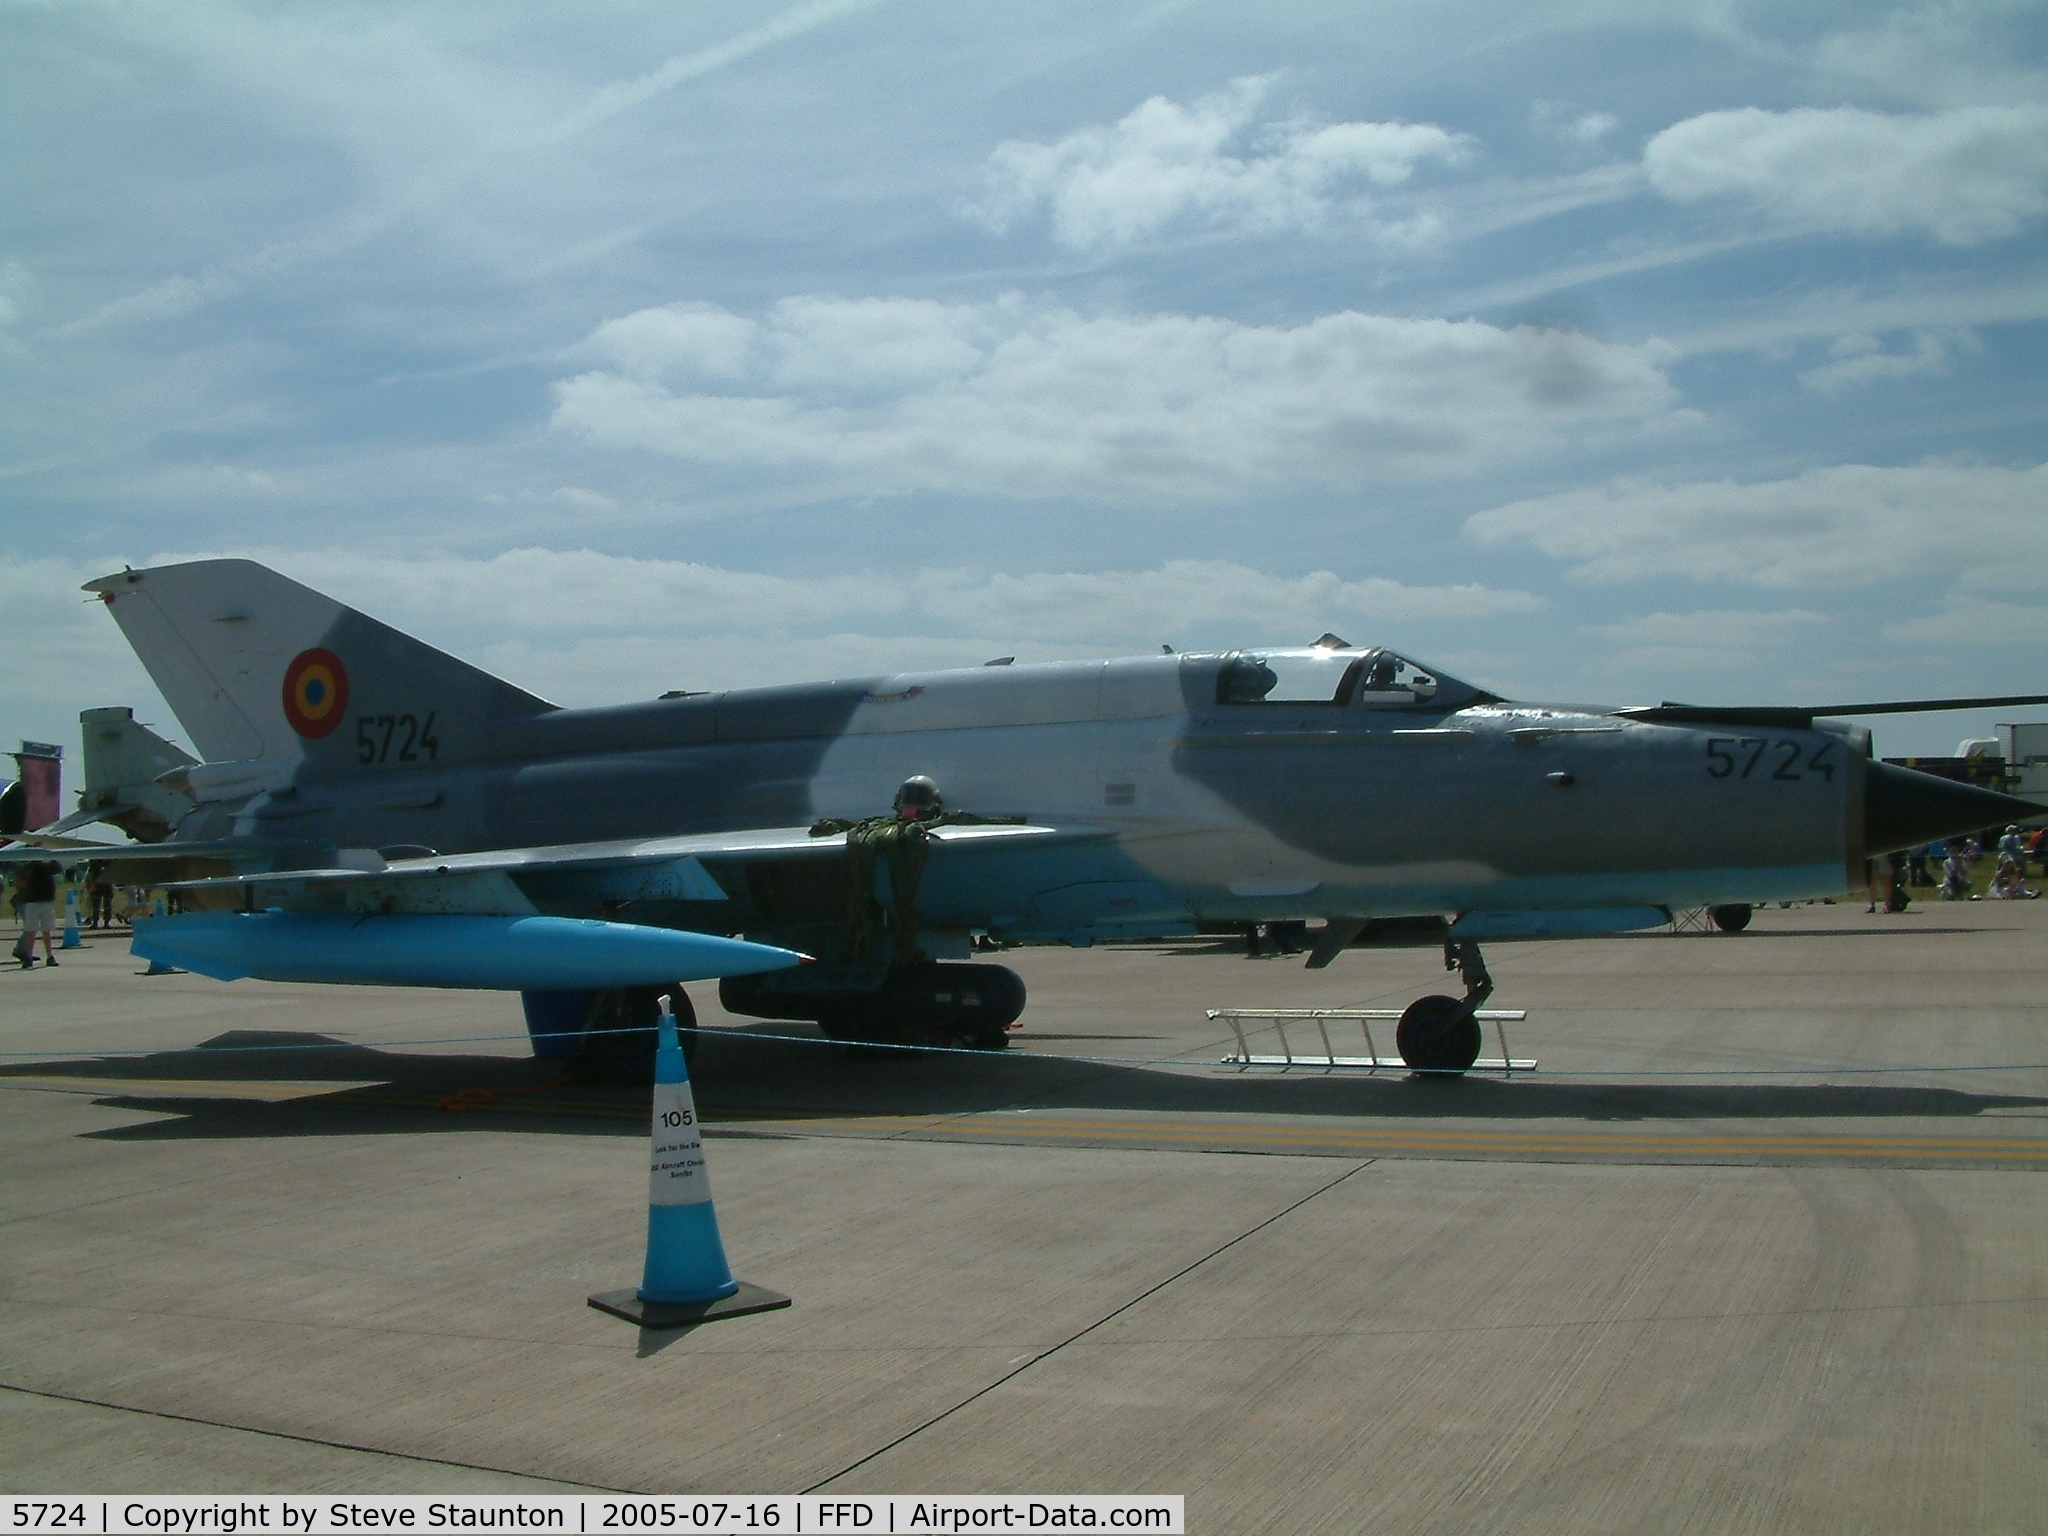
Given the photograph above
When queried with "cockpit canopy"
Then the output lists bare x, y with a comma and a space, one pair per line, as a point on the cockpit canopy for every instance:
1370, 679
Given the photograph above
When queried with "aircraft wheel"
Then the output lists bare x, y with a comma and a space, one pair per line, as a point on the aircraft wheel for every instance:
867, 1029
1437, 1034
835, 1025
1002, 999
1732, 918
620, 1037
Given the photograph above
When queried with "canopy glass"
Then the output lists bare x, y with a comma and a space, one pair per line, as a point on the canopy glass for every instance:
1367, 679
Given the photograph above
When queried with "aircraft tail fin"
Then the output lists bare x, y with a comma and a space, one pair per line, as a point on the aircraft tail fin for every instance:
257, 666
123, 761
121, 753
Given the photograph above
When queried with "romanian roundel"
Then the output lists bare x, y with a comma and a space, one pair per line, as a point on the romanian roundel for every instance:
315, 692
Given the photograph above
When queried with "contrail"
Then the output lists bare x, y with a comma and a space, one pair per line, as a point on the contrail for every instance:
609, 101
180, 294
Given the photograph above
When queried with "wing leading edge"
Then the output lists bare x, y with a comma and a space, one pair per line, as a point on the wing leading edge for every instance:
506, 881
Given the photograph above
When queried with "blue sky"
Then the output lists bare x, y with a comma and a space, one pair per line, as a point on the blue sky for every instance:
1591, 351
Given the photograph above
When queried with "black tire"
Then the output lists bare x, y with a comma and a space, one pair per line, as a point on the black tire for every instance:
1437, 1034
1732, 918
1001, 993
838, 1024
620, 1034
867, 1028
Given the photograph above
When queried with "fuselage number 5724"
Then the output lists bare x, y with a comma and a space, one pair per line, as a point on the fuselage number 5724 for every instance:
1742, 757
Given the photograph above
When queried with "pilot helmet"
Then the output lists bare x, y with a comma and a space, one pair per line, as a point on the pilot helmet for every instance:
919, 795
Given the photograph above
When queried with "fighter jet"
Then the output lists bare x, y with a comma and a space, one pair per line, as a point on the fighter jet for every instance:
371, 809
123, 762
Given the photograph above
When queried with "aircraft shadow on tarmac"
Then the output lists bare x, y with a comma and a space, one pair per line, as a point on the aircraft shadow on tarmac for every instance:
742, 1077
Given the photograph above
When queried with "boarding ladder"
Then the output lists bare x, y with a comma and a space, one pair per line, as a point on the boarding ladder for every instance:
1328, 1061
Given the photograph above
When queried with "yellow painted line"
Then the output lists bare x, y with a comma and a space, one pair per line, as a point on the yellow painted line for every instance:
1453, 1141
1460, 1137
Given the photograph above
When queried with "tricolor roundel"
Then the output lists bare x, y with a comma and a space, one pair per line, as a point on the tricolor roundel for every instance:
315, 692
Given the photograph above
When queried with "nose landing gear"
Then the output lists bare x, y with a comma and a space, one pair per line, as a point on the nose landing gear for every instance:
1439, 1033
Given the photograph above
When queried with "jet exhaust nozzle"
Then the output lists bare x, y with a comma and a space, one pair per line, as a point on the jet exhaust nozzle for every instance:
511, 954
1903, 808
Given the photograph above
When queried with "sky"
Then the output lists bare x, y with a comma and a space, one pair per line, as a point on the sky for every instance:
1587, 351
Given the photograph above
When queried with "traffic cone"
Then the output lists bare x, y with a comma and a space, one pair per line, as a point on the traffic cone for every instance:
70, 918
686, 1279
157, 967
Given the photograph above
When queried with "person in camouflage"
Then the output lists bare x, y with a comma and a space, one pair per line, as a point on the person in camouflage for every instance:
900, 843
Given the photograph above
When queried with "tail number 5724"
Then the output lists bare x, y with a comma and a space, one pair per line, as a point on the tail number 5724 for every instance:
396, 739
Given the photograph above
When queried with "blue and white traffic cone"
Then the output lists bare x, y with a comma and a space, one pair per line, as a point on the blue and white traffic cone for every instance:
686, 1278
70, 918
685, 1259
157, 967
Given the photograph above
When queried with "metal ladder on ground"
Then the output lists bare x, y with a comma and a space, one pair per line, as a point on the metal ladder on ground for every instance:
1328, 1061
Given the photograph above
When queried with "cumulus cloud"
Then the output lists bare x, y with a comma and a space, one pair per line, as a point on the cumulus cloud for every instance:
1965, 176
1709, 627
1976, 621
575, 590
1844, 526
686, 340
65, 653
1860, 359
1186, 596
1211, 164
1711, 639
1561, 120
1028, 398
1939, 55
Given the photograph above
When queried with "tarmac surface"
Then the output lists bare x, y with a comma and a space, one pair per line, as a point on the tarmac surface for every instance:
1759, 1247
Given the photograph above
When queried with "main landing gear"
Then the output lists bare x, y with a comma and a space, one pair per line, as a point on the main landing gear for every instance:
619, 1035
956, 1006
1439, 1033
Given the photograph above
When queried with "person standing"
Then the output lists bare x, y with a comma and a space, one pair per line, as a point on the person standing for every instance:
1897, 897
39, 912
1955, 873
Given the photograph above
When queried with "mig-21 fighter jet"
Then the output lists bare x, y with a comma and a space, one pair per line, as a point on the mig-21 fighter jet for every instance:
371, 809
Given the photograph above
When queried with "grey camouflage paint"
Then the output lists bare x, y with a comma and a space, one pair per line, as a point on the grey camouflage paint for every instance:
1208, 811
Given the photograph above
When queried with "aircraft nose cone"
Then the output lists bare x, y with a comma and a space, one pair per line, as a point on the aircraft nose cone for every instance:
1903, 808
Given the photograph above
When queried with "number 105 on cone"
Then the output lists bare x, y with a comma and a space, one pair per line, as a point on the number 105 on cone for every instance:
676, 1172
